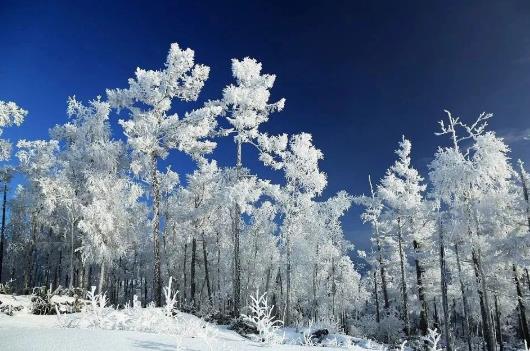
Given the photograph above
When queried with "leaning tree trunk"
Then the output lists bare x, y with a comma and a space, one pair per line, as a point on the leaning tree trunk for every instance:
522, 309
155, 187
443, 281
3, 229
404, 293
424, 322
467, 330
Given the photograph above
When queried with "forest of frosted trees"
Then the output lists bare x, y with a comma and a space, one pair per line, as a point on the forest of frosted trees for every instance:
89, 208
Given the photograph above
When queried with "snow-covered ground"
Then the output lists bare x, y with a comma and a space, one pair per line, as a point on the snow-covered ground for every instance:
25, 331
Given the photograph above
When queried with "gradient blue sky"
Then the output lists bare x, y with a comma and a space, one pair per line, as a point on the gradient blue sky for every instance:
356, 74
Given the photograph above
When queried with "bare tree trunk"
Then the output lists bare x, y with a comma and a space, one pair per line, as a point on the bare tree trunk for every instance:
380, 255
206, 273
443, 280
384, 285
157, 277
236, 233
184, 293
101, 277
522, 309
3, 229
467, 330
192, 271
483, 298
288, 283
424, 322
404, 292
333, 287
376, 293
498, 324
525, 193
71, 272
218, 269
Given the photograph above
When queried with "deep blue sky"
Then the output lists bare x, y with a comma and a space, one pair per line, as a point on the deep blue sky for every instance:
356, 74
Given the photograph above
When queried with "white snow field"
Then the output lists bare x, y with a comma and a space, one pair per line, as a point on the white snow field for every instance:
25, 331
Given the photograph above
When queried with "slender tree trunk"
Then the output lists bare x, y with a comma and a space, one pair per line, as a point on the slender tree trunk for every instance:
218, 269
192, 271
467, 330
424, 322
3, 229
236, 233
483, 299
333, 287
404, 292
71, 272
314, 286
157, 277
288, 282
380, 255
525, 194
522, 309
498, 324
443, 280
185, 271
376, 293
384, 285
101, 277
206, 272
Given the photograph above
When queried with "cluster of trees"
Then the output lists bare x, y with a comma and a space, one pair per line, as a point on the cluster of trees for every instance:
452, 252
96, 209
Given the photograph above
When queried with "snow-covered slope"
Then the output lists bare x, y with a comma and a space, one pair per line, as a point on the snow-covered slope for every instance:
25, 331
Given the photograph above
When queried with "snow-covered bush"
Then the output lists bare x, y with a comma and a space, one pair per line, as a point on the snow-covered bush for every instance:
390, 327
7, 287
261, 316
433, 339
46, 301
96, 310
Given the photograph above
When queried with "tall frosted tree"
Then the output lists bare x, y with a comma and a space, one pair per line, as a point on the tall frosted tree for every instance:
153, 131
246, 105
10, 114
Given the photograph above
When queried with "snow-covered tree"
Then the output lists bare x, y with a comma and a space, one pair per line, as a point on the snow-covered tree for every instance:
153, 131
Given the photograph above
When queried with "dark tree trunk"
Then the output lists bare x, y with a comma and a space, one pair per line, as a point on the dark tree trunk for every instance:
498, 324
522, 309
424, 322
483, 299
155, 187
192, 271
3, 229
384, 286
376, 293
404, 290
466, 327
443, 280
206, 272
236, 228
185, 295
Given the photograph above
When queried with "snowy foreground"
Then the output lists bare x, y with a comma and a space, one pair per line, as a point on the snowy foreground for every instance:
25, 331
